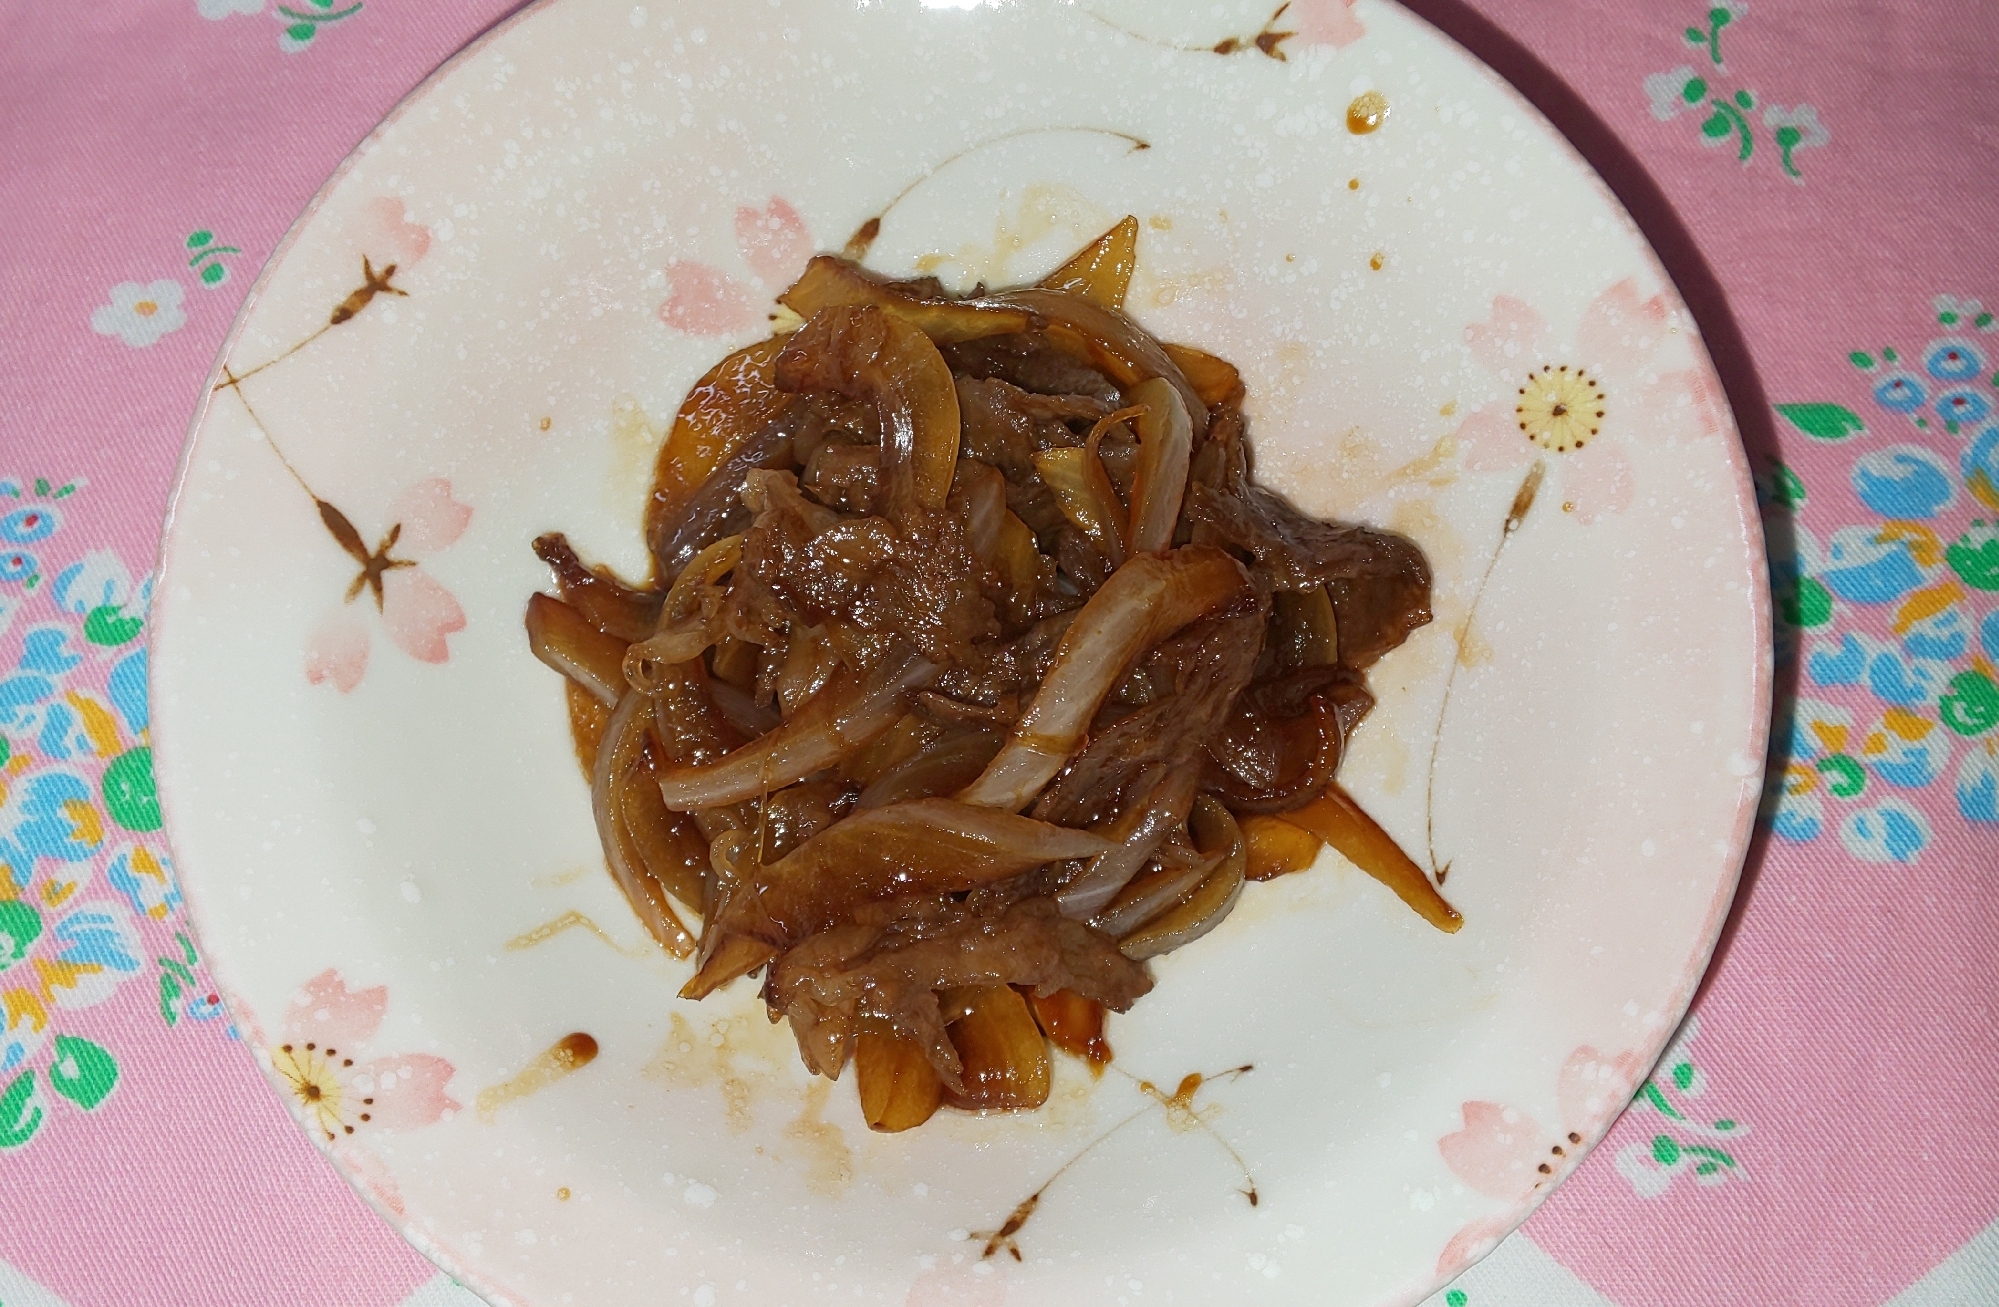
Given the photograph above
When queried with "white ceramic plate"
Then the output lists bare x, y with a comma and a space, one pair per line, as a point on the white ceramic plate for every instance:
373, 808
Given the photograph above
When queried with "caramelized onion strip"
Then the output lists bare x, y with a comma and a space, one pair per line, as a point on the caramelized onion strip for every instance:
829, 282
1165, 445
1335, 818
926, 846
850, 710
1143, 602
618, 757
562, 638
1108, 339
1101, 271
1216, 834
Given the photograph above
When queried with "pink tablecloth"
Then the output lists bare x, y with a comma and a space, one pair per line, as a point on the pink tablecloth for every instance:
1821, 181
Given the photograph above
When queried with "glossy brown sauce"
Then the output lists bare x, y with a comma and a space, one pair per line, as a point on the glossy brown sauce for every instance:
1367, 112
568, 1054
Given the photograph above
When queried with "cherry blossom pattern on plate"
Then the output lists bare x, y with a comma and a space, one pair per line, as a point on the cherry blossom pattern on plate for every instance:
1587, 400
1687, 1144
1300, 24
140, 312
1503, 1153
774, 245
414, 610
323, 1041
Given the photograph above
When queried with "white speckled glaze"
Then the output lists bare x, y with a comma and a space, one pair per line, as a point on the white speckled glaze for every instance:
368, 807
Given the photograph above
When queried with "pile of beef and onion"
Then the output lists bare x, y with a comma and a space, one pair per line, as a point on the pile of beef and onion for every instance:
976, 670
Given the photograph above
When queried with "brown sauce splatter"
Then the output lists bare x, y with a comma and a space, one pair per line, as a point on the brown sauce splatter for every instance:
570, 920
568, 1054
1367, 113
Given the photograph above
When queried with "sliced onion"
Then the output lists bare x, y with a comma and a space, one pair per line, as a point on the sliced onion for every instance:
864, 353
979, 493
742, 709
1086, 496
950, 762
1108, 339
1101, 271
1143, 602
849, 711
1165, 444
1215, 833
618, 757
1160, 799
731, 403
561, 637
1335, 818
828, 282
1215, 380
927, 846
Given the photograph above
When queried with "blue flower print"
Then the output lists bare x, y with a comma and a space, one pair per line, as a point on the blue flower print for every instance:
1900, 392
1908, 763
1988, 634
1906, 682
26, 526
1904, 481
1889, 831
1978, 784
1867, 565
1980, 464
1963, 407
100, 948
1941, 635
26, 695
1953, 359
17, 565
1842, 666
146, 879
126, 687
97, 580
49, 814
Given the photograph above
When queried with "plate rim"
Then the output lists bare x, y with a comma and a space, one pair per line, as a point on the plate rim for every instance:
1687, 981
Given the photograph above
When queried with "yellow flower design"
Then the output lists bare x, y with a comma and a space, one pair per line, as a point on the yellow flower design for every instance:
314, 1075
1560, 408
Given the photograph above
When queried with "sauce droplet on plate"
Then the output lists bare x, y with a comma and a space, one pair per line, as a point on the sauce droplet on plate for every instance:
569, 1053
1367, 112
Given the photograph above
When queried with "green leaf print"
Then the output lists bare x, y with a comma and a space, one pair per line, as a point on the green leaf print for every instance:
128, 790
107, 625
1809, 606
82, 1072
1823, 421
1972, 706
1844, 775
1786, 488
1976, 565
20, 1111
20, 927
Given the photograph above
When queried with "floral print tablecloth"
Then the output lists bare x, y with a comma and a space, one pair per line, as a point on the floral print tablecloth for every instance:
1820, 180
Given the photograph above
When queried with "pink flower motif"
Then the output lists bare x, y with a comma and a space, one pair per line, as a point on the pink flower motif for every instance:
705, 301
325, 1032
1322, 22
386, 233
1504, 1153
416, 611
1589, 402
774, 242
